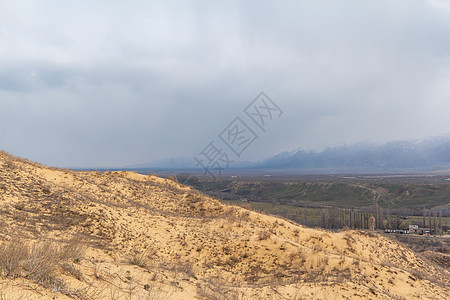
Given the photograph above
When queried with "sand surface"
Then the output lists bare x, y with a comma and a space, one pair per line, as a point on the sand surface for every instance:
144, 237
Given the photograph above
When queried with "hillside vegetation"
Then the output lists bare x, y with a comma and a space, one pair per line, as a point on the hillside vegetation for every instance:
340, 191
121, 235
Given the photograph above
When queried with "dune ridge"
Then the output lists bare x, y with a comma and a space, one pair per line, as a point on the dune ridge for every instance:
122, 235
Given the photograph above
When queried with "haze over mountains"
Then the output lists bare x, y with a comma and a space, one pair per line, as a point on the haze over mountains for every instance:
426, 155
420, 155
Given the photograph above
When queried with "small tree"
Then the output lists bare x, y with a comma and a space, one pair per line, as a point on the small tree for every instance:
395, 223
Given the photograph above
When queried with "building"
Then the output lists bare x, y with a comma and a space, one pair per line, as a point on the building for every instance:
413, 228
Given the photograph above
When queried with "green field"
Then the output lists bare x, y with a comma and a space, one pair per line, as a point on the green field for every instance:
410, 193
336, 201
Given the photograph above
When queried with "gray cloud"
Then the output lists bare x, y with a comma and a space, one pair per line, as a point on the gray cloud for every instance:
92, 83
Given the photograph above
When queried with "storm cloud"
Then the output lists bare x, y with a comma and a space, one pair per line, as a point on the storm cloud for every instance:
112, 83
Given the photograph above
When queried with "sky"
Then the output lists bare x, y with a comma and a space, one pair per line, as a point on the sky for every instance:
115, 83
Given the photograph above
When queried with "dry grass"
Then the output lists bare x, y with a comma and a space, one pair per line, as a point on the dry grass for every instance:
12, 256
264, 235
41, 263
142, 258
421, 244
139, 259
216, 288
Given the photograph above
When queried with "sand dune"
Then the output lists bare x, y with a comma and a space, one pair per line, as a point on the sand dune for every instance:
121, 235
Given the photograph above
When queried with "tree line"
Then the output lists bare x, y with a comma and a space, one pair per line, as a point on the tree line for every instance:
359, 218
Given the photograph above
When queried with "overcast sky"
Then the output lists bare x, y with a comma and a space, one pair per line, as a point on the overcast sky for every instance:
113, 83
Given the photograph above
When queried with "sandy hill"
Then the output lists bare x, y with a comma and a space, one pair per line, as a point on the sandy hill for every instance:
121, 235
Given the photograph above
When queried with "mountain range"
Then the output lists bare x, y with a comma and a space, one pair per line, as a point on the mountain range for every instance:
426, 155
430, 154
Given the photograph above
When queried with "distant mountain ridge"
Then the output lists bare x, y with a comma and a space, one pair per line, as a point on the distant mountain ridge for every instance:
418, 155
426, 155
169, 163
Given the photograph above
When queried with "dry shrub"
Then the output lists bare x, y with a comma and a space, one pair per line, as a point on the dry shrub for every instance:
139, 259
12, 256
171, 178
245, 216
264, 235
187, 268
231, 214
72, 270
73, 250
299, 256
218, 289
90, 291
36, 262
142, 259
9, 164
418, 274
39, 262
154, 292
42, 263
424, 244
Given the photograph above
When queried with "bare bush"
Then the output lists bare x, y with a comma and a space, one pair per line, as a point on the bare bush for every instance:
421, 244
39, 262
139, 259
142, 259
217, 289
41, 265
264, 235
73, 250
12, 256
